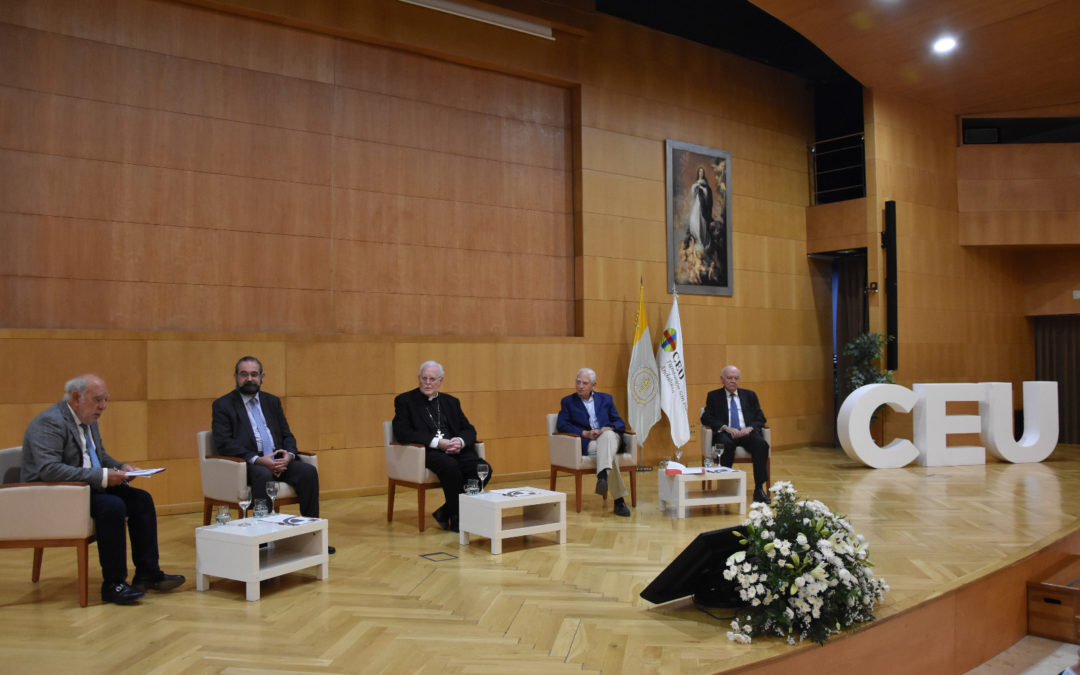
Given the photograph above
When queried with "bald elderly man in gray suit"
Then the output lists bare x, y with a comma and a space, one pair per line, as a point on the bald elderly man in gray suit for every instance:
63, 444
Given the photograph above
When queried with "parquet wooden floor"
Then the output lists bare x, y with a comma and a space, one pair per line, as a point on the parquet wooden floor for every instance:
539, 607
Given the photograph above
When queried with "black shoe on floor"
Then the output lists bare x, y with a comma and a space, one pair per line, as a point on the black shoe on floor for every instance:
601, 484
761, 496
331, 550
453, 524
441, 518
119, 593
621, 509
159, 582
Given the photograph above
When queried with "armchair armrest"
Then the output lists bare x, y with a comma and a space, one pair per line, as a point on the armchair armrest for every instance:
564, 449
222, 477
405, 461
45, 511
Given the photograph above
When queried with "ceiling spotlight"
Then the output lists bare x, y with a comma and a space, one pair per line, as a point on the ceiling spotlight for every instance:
944, 44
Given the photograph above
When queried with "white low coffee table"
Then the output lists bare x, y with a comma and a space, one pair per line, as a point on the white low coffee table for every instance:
485, 514
232, 551
687, 489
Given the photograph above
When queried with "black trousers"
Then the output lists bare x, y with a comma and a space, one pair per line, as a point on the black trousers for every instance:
453, 471
119, 506
754, 443
304, 478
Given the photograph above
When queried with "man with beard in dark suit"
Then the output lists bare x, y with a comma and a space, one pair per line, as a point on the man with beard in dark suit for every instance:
435, 420
736, 419
250, 424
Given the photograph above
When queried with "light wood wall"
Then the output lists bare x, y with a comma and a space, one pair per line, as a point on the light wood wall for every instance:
354, 189
961, 309
1019, 195
181, 187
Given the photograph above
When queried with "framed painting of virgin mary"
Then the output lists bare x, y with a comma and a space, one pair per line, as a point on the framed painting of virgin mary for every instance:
698, 219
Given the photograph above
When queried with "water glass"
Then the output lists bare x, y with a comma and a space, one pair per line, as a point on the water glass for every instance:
260, 508
472, 486
223, 515
709, 463
483, 471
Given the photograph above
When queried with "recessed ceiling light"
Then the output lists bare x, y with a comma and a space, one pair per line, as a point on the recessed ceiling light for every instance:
944, 44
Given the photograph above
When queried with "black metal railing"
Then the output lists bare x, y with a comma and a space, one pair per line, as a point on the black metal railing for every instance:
838, 169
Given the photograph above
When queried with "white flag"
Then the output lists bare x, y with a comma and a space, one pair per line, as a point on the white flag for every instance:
642, 381
669, 360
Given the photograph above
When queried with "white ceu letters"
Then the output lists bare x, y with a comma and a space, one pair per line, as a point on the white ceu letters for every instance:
931, 424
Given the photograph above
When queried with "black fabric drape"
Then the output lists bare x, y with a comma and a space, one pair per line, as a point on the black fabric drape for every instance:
1057, 358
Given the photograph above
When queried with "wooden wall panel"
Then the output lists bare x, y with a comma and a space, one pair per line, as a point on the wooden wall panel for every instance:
37, 369
163, 152
1051, 279
204, 369
1019, 195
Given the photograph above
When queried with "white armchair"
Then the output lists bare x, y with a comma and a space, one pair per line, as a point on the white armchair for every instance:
741, 455
564, 452
405, 466
45, 515
222, 477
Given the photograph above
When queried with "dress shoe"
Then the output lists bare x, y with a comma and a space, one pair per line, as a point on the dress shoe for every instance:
158, 582
119, 593
601, 484
331, 550
761, 496
441, 517
621, 509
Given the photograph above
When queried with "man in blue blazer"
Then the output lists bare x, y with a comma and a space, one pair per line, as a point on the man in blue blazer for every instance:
592, 416
63, 444
250, 424
735, 416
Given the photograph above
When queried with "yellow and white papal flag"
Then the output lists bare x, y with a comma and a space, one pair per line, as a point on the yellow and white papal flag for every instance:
642, 381
669, 360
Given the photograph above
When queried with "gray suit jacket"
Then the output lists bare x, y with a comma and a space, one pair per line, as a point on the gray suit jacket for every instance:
51, 451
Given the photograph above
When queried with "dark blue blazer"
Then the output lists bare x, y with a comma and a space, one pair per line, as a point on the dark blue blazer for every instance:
574, 418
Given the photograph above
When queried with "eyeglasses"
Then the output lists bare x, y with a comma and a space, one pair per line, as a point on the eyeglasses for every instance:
430, 380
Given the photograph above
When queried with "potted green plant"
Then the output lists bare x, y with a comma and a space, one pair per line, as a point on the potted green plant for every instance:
862, 355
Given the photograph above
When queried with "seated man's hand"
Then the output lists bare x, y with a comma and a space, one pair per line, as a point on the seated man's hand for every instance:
115, 477
281, 460
453, 446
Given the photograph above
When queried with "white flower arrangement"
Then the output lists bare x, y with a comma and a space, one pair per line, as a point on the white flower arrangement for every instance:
804, 573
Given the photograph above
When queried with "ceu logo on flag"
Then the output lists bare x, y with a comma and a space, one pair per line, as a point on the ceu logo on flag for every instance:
670, 340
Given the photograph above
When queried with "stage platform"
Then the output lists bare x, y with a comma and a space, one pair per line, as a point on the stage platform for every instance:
956, 545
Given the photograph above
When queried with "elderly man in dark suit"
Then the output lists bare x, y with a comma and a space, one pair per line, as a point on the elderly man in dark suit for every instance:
250, 424
63, 444
592, 415
435, 420
736, 418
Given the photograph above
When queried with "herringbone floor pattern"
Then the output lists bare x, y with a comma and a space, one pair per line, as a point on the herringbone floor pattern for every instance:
539, 607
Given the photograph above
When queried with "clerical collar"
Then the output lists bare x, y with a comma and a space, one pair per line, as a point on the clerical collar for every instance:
432, 398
